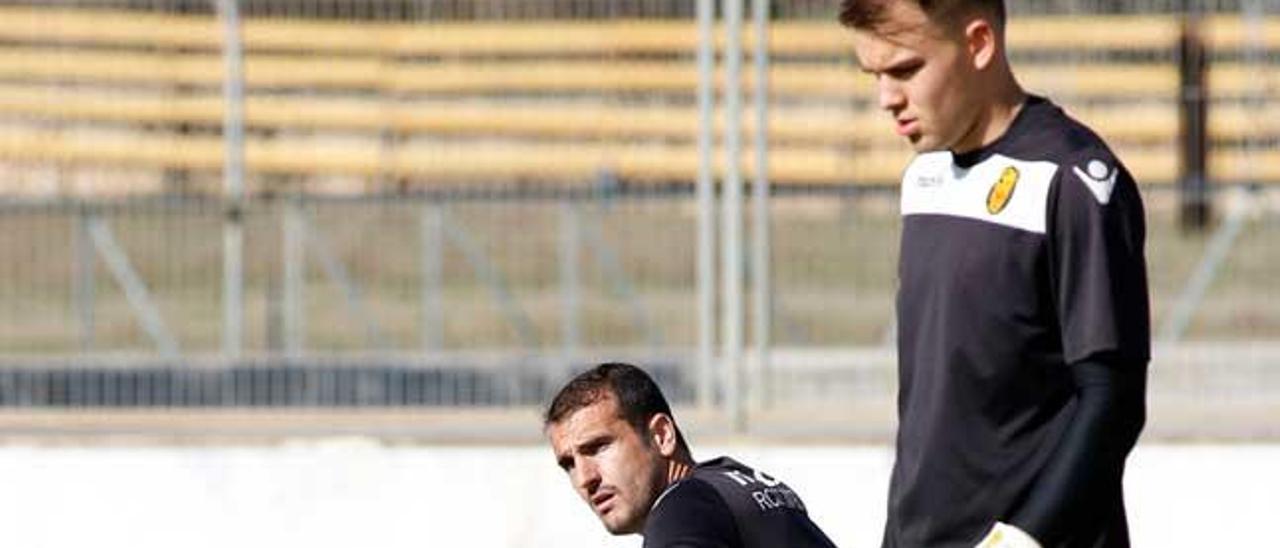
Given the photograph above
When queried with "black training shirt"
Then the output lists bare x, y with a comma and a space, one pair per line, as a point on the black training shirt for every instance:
724, 504
1016, 260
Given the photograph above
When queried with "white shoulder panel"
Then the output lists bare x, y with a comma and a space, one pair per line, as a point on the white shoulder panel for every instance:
999, 190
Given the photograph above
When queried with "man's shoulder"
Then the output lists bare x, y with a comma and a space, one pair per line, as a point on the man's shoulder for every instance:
1056, 136
766, 512
731, 477
748, 491
690, 512
719, 465
712, 498
694, 490
1088, 171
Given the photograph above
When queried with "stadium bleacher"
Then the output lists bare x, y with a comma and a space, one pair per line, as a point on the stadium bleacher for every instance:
552, 102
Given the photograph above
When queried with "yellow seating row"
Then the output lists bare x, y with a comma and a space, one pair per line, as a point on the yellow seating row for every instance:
456, 85
569, 76
1142, 122
548, 162
131, 28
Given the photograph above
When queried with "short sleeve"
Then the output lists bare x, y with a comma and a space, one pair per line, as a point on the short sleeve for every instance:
1099, 274
691, 515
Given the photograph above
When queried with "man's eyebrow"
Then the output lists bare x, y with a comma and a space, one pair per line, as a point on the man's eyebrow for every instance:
897, 64
592, 441
566, 458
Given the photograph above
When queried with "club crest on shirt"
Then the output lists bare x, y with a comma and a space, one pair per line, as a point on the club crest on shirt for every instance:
1002, 191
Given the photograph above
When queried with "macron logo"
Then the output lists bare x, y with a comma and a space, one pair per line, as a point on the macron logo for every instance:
1100, 178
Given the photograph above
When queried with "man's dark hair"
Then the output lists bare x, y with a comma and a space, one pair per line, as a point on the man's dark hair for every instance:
869, 14
638, 397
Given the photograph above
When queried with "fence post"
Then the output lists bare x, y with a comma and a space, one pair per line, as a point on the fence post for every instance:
84, 277
570, 282
432, 236
731, 199
295, 268
761, 285
706, 274
1193, 117
233, 182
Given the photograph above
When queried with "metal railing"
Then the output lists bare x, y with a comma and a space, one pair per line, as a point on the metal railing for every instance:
492, 298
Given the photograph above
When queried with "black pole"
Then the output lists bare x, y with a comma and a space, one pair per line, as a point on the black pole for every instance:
1193, 126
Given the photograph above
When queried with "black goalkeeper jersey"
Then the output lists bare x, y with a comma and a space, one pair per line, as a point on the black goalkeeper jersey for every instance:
1016, 260
725, 504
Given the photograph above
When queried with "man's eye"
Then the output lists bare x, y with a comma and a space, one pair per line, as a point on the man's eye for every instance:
902, 73
594, 448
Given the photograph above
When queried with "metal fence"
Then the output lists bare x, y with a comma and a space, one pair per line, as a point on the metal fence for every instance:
538, 270
443, 300
542, 271
379, 273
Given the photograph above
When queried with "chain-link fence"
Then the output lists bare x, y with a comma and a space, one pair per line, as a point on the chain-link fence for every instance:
491, 299
457, 202
504, 271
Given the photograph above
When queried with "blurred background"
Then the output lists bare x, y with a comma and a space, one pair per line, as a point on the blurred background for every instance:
228, 228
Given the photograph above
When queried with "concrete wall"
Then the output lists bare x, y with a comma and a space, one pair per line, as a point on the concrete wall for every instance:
353, 493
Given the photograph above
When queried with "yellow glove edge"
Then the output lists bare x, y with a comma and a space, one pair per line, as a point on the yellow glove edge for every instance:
1003, 535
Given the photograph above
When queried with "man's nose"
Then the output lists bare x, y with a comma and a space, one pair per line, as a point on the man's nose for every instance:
891, 97
586, 476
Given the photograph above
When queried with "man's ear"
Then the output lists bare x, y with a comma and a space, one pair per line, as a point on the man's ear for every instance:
662, 432
981, 40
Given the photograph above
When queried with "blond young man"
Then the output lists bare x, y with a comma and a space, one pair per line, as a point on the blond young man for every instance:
1023, 330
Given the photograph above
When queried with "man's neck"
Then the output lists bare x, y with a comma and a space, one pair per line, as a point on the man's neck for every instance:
995, 120
678, 469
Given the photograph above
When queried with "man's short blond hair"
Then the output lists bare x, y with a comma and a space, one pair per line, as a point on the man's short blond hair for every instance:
869, 14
